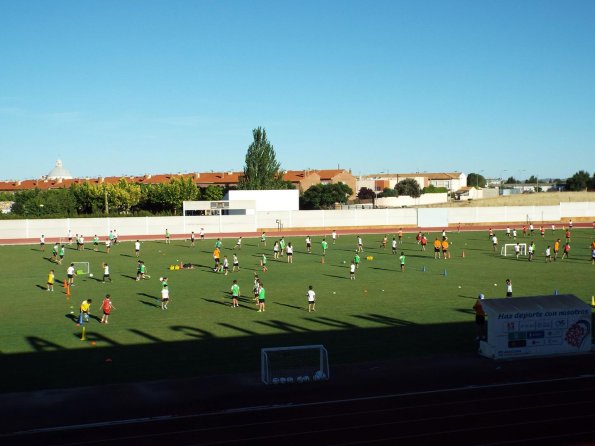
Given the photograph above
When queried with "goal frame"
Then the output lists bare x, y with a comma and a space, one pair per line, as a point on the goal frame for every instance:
77, 268
504, 252
265, 365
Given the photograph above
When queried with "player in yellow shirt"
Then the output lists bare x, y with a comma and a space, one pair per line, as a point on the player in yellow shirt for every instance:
51, 280
84, 311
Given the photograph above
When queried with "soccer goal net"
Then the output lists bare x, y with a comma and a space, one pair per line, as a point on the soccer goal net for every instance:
298, 364
81, 268
508, 249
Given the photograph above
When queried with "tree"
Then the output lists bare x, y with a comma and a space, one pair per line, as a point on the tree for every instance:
532, 180
477, 180
44, 203
510, 180
409, 187
169, 197
387, 192
324, 196
262, 170
366, 194
578, 181
212, 193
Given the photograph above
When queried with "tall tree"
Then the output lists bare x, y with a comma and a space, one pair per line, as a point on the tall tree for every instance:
408, 186
578, 181
262, 170
476, 180
532, 180
510, 180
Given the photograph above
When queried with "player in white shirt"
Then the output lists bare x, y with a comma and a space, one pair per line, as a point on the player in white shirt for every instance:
352, 270
238, 244
517, 250
311, 299
360, 244
106, 273
164, 297
137, 248
495, 242
70, 274
334, 236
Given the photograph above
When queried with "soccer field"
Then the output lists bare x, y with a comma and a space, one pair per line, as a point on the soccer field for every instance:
383, 314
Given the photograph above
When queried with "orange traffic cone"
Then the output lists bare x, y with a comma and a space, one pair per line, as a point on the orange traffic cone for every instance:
67, 286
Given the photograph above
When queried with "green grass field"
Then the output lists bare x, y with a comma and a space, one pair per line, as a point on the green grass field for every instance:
383, 314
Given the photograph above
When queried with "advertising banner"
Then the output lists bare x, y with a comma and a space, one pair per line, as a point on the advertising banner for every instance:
536, 326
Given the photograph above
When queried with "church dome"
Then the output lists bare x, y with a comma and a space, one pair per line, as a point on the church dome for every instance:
59, 172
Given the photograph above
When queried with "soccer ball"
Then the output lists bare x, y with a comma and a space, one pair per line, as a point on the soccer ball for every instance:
91, 275
344, 261
161, 279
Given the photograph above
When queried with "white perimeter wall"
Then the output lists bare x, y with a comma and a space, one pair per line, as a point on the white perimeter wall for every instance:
405, 200
407, 217
269, 200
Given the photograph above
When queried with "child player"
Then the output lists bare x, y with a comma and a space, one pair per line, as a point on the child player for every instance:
235, 294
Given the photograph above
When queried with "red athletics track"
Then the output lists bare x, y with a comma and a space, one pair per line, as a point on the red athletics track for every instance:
303, 232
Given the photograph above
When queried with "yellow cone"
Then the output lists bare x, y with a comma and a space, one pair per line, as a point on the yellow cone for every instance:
593, 301
83, 335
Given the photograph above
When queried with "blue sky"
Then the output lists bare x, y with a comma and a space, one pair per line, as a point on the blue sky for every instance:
117, 87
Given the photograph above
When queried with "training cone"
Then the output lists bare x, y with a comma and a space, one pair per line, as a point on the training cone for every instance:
83, 338
593, 301
463, 254
555, 292
322, 260
67, 285
445, 273
423, 269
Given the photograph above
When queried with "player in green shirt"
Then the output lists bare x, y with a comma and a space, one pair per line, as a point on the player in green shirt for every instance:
218, 243
324, 247
263, 239
402, 259
235, 294
261, 298
356, 260
95, 243
167, 235
264, 263
282, 245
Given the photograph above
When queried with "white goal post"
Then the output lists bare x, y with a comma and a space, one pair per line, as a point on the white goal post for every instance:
81, 268
508, 249
296, 364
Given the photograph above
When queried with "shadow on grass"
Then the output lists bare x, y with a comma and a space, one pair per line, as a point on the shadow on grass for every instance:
366, 337
149, 304
464, 310
127, 255
290, 306
336, 277
128, 277
41, 287
219, 302
148, 295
